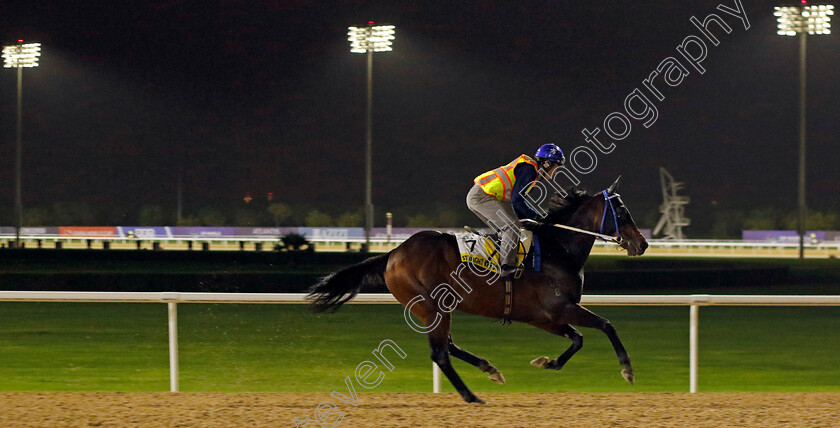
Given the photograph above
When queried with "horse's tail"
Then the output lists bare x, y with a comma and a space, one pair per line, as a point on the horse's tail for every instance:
334, 290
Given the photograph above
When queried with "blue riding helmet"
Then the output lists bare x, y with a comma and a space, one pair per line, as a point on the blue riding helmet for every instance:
550, 152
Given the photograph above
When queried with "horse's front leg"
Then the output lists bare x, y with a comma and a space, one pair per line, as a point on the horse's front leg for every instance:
566, 331
582, 317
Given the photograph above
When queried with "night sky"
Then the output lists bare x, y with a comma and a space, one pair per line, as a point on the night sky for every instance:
258, 96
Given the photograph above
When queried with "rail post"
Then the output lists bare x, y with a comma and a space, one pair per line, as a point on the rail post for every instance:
692, 348
435, 378
172, 310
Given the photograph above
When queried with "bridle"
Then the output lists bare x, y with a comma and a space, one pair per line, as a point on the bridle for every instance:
608, 203
617, 239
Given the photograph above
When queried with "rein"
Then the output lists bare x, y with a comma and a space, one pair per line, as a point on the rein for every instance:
606, 238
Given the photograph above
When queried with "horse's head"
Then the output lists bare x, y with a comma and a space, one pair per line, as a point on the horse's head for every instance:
603, 213
615, 220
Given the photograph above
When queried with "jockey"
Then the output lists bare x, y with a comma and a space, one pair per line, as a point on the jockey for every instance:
497, 197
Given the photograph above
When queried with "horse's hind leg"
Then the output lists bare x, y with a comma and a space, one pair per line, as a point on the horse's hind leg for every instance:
580, 316
494, 374
439, 343
438, 323
564, 330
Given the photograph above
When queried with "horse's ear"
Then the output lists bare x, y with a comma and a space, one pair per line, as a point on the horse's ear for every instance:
611, 189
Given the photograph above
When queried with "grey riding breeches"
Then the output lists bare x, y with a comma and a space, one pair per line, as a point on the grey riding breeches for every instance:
500, 217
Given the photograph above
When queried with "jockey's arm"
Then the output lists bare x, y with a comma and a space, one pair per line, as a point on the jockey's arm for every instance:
525, 175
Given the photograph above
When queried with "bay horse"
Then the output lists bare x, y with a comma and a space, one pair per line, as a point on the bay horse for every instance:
549, 299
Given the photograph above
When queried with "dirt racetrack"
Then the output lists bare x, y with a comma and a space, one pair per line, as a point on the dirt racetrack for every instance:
411, 410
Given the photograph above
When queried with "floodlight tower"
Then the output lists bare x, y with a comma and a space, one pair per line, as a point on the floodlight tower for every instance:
368, 40
803, 19
20, 56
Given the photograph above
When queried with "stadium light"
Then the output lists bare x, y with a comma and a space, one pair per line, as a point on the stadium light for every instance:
810, 19
20, 56
371, 38
368, 40
803, 19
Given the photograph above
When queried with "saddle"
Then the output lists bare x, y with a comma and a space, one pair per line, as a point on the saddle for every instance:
482, 251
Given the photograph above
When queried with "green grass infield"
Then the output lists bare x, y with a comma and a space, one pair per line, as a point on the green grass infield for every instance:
285, 348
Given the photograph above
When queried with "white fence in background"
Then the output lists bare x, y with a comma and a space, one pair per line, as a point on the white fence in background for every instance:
694, 301
688, 247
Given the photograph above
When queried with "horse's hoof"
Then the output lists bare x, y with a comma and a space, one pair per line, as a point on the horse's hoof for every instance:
540, 362
628, 375
497, 377
476, 400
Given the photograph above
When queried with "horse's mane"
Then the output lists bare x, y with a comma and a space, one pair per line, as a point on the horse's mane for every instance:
560, 207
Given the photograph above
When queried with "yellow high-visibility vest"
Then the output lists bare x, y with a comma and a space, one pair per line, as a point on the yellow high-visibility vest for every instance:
499, 182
